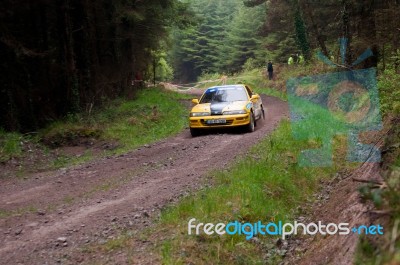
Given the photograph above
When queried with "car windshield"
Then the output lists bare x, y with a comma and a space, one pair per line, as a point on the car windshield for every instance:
225, 94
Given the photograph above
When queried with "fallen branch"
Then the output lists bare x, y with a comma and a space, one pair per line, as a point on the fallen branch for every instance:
387, 212
368, 181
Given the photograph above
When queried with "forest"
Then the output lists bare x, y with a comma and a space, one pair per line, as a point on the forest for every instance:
256, 31
67, 56
99, 165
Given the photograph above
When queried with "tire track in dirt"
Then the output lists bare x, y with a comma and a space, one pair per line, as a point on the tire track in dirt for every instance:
95, 201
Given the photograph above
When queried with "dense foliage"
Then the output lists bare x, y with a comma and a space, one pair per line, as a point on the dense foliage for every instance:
225, 36
65, 56
229, 33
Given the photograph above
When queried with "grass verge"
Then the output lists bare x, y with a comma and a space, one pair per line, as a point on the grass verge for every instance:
10, 145
153, 115
123, 125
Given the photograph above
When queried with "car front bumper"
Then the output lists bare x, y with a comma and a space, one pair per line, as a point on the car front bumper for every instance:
205, 122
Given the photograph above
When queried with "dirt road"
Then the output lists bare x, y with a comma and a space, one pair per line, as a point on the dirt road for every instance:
56, 213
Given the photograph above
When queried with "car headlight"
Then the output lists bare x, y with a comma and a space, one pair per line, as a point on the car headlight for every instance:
234, 112
199, 114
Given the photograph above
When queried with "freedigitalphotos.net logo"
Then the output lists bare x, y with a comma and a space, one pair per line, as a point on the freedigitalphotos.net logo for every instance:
322, 106
249, 230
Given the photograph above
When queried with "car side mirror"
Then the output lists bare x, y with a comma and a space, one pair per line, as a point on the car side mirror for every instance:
255, 97
195, 101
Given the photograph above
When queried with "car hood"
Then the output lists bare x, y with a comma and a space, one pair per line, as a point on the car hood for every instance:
219, 107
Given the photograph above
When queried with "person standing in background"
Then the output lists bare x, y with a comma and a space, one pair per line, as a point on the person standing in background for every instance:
301, 59
270, 70
290, 60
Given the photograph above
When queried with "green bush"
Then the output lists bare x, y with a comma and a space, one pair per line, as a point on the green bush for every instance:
250, 64
10, 145
389, 92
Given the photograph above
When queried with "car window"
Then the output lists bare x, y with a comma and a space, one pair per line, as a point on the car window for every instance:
228, 94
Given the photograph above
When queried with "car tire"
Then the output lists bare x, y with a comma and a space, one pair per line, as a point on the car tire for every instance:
194, 132
262, 112
251, 126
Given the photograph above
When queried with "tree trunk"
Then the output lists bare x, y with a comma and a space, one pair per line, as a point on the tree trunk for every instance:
320, 38
301, 31
72, 78
346, 25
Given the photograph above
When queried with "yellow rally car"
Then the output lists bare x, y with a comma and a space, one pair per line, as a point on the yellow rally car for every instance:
226, 106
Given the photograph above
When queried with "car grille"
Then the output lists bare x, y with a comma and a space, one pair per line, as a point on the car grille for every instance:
216, 112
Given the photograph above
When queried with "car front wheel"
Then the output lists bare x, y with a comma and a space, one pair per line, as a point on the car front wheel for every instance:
194, 132
251, 126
